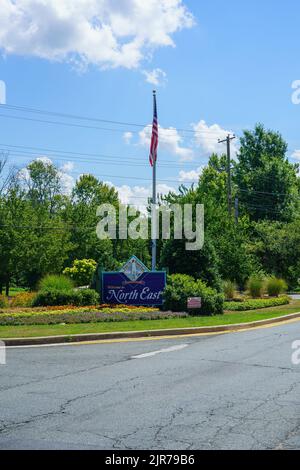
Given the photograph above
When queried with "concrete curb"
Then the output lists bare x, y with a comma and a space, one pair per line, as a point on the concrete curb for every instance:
144, 334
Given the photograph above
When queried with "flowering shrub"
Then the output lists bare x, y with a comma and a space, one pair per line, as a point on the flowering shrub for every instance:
73, 308
82, 271
120, 306
24, 299
72, 317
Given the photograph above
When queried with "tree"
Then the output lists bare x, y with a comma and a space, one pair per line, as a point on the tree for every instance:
43, 183
34, 240
267, 182
201, 264
276, 246
91, 192
81, 215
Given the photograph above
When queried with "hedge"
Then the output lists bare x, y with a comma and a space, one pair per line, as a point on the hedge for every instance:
256, 304
180, 287
73, 297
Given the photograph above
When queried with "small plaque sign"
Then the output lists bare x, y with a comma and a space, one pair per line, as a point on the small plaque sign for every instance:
194, 303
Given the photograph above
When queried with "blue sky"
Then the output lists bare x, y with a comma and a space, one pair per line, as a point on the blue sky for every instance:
222, 64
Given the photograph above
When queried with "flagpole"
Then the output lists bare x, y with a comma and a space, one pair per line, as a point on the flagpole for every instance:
153, 212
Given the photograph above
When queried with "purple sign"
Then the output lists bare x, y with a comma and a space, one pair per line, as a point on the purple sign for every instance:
146, 290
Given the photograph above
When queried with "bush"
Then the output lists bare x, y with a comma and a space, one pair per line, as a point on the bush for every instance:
56, 282
82, 271
229, 289
24, 299
180, 287
255, 286
3, 301
276, 286
53, 297
256, 304
88, 297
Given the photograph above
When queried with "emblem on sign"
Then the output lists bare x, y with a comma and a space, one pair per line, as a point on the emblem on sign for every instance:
134, 268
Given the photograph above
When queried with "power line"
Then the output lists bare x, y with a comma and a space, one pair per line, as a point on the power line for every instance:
92, 119
96, 155
104, 159
82, 126
263, 192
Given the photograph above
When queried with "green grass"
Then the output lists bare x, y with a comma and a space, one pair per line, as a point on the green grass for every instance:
227, 319
16, 290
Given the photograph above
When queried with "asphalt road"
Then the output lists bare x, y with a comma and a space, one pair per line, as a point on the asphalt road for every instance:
233, 391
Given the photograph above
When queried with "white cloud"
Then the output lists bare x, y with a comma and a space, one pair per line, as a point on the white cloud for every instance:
191, 176
207, 138
2, 92
106, 33
45, 160
67, 167
156, 77
139, 195
127, 136
296, 155
169, 141
67, 182
136, 195
163, 189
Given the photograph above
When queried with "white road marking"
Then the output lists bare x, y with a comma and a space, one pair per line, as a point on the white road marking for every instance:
161, 351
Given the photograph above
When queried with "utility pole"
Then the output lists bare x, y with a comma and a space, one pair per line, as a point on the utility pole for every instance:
228, 140
236, 210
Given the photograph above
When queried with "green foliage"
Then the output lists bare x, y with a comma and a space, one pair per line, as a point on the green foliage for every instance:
56, 282
275, 286
82, 271
267, 182
202, 264
276, 246
88, 297
54, 297
256, 304
3, 301
229, 289
255, 286
59, 229
181, 287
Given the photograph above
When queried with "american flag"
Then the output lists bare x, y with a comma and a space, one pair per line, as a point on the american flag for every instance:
154, 138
